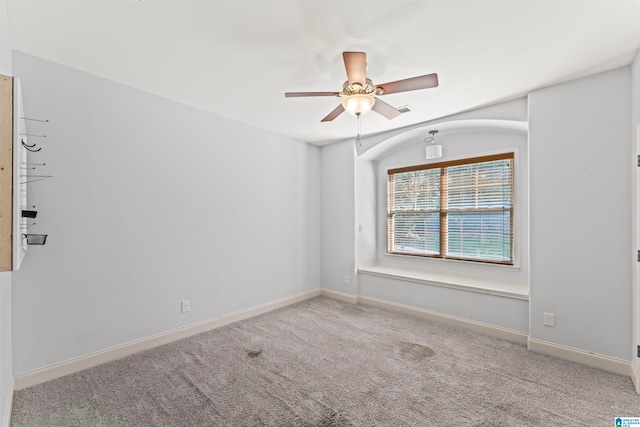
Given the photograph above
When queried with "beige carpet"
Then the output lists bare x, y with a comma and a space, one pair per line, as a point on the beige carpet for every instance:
327, 363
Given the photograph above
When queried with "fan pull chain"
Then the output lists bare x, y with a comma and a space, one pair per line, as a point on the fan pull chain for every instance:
358, 134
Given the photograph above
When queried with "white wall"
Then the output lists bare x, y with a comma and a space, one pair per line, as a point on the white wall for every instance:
338, 217
507, 313
580, 213
366, 201
635, 90
635, 245
153, 202
5, 47
6, 376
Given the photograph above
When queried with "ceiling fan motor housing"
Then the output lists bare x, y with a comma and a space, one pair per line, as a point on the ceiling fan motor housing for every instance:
358, 88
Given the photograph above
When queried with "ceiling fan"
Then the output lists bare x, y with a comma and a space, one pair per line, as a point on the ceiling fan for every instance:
358, 91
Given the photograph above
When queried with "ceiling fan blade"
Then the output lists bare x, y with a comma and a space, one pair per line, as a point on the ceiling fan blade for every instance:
385, 109
335, 113
356, 66
414, 83
298, 94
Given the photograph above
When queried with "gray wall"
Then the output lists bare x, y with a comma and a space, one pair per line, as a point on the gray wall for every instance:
581, 213
6, 376
153, 202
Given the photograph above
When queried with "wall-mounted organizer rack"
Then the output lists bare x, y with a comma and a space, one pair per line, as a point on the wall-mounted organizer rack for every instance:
16, 215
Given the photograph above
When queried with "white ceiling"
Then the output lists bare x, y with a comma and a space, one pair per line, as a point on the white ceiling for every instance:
236, 58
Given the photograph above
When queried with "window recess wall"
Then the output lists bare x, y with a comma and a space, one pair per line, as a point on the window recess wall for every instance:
462, 145
491, 294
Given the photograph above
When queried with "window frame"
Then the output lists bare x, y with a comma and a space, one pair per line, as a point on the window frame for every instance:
442, 213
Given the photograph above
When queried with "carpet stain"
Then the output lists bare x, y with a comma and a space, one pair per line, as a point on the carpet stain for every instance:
254, 353
415, 352
517, 413
335, 419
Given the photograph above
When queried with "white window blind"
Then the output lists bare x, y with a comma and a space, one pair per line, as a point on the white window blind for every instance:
460, 209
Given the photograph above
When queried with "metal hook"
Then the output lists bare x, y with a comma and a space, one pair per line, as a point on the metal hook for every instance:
29, 147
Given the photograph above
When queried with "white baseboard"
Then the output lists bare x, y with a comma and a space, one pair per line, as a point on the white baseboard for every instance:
353, 299
634, 377
48, 373
483, 328
607, 363
9, 404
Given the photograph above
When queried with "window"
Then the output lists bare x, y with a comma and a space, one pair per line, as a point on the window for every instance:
461, 209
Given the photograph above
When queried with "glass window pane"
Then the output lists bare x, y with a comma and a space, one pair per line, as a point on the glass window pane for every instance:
479, 235
417, 190
479, 185
416, 233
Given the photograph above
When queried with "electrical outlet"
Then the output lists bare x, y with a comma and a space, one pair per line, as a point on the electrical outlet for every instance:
346, 280
185, 306
549, 319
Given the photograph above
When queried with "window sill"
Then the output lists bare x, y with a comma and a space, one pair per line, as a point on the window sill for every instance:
514, 266
512, 289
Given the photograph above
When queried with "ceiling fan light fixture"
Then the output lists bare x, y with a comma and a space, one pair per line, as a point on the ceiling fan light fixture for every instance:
358, 104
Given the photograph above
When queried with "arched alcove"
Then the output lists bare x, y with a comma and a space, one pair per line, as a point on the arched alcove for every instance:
418, 133
383, 275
